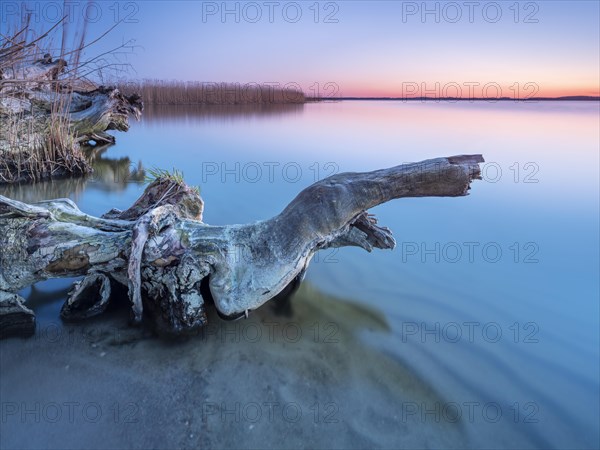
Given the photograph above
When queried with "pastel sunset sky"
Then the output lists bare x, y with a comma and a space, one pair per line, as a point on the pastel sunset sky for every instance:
544, 48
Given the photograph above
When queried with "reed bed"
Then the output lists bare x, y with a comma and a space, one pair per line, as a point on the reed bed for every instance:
161, 92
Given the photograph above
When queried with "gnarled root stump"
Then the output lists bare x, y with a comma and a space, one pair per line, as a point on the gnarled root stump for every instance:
172, 263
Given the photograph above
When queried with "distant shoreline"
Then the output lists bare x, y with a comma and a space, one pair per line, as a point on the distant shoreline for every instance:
578, 98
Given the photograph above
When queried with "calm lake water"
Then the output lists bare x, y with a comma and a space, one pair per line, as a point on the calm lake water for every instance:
492, 298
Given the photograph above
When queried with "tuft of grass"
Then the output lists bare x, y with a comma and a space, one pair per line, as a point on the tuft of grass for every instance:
173, 175
39, 154
157, 173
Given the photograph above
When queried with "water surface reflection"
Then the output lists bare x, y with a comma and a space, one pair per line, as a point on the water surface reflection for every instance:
538, 204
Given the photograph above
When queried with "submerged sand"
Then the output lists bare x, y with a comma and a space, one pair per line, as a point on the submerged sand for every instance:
291, 375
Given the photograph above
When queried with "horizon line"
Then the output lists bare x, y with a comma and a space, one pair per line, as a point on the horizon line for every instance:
561, 98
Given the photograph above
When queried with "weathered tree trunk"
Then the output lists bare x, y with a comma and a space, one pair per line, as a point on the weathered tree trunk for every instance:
45, 118
172, 263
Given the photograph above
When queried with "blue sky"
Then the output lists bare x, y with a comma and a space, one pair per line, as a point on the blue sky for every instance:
365, 48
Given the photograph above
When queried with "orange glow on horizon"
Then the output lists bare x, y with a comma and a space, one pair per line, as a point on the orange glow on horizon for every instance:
450, 90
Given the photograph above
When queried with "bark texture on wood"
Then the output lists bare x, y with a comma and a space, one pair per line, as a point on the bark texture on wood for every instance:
172, 263
86, 114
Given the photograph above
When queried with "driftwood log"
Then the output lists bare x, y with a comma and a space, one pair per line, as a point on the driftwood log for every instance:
172, 264
34, 90
45, 114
